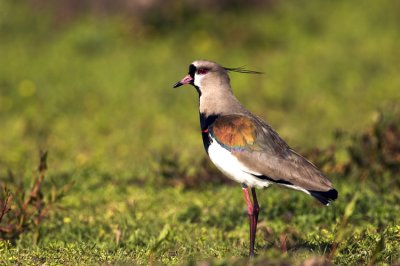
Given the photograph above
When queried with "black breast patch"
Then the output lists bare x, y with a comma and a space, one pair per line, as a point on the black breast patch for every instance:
205, 123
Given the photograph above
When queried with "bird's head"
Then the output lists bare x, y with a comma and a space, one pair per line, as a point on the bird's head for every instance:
207, 75
203, 73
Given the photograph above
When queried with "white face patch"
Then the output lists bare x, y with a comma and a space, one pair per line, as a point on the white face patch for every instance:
197, 79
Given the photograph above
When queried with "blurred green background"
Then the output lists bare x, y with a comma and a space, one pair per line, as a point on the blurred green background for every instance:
91, 81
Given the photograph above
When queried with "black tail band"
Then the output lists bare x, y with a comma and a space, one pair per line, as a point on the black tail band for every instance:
325, 197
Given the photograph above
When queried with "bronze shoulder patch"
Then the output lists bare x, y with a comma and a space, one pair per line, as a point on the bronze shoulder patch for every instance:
234, 131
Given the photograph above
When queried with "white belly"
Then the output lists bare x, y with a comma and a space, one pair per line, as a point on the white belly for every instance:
232, 168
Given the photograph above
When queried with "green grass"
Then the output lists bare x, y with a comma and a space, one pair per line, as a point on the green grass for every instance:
96, 93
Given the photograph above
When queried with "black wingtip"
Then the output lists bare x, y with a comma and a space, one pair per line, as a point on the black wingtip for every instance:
325, 197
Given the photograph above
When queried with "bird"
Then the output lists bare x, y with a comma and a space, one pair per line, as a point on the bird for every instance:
244, 147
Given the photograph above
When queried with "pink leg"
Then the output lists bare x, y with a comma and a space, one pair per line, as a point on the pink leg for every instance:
252, 211
256, 209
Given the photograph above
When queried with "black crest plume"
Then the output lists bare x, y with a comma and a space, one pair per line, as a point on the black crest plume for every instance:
242, 70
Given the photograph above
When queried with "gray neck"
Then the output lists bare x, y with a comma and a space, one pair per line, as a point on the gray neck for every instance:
220, 102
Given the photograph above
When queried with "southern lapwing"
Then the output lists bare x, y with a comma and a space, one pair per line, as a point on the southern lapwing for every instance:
244, 147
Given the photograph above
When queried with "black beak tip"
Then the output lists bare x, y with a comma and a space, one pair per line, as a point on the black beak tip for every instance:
178, 84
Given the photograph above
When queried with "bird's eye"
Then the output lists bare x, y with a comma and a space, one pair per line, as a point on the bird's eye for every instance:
202, 71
